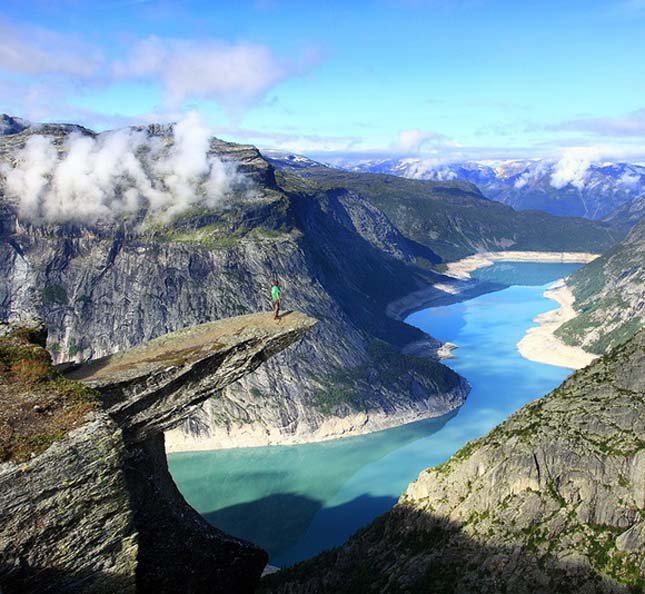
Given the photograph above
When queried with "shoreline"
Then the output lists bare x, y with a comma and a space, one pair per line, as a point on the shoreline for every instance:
540, 343
461, 269
361, 423
457, 286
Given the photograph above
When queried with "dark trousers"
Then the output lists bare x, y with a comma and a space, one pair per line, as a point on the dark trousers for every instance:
276, 309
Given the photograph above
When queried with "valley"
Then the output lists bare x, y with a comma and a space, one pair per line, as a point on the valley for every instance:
415, 295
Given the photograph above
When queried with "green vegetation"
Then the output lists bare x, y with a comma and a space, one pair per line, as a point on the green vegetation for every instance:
264, 219
39, 405
54, 294
454, 220
74, 348
608, 295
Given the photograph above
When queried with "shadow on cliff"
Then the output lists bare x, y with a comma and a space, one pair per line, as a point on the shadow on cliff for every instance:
413, 552
47, 580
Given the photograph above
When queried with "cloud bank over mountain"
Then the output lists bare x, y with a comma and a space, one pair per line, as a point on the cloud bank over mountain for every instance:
116, 174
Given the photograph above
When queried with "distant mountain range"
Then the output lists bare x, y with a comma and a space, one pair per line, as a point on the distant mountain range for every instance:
566, 188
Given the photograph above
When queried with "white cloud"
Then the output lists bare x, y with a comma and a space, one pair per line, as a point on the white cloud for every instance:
40, 70
235, 75
117, 174
417, 141
37, 51
631, 181
429, 169
573, 167
534, 172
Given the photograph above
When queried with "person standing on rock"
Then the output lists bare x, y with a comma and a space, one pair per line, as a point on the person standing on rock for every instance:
275, 297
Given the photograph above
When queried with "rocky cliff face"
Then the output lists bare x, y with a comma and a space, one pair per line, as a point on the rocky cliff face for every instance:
552, 500
609, 296
97, 510
112, 286
329, 238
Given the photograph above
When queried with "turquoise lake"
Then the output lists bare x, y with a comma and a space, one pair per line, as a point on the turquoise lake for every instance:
296, 501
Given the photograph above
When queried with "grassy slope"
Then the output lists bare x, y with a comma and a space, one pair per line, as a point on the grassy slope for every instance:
39, 405
454, 219
609, 295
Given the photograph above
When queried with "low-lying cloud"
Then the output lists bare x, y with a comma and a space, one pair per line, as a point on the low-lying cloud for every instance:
117, 174
574, 167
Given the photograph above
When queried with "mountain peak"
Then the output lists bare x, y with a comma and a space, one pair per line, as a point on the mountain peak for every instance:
12, 125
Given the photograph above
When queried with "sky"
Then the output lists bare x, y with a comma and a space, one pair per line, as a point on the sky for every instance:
448, 79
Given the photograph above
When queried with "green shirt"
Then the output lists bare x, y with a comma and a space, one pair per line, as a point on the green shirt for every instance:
275, 292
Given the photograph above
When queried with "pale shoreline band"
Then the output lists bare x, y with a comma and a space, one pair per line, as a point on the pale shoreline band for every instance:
462, 268
539, 343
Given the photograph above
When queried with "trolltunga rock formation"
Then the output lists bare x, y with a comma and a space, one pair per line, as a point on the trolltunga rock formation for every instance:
97, 510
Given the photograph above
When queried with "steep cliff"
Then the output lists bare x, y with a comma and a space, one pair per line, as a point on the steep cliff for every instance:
107, 287
86, 500
112, 285
550, 501
609, 296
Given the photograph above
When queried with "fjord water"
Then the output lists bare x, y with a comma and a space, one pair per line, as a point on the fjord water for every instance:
296, 501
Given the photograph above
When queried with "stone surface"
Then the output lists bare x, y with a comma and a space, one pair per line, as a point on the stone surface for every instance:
155, 386
550, 501
66, 523
98, 511
113, 286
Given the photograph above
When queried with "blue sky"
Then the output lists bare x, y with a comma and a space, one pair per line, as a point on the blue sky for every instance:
440, 78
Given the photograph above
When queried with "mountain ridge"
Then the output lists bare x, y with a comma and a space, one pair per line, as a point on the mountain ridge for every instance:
549, 501
575, 188
344, 244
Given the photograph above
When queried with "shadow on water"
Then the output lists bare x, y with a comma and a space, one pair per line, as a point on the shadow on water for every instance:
273, 522
271, 495
332, 526
281, 523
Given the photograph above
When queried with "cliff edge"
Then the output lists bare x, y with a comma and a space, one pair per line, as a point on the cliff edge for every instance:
86, 500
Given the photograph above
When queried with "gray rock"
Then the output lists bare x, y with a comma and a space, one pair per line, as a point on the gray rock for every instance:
113, 286
98, 510
550, 501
